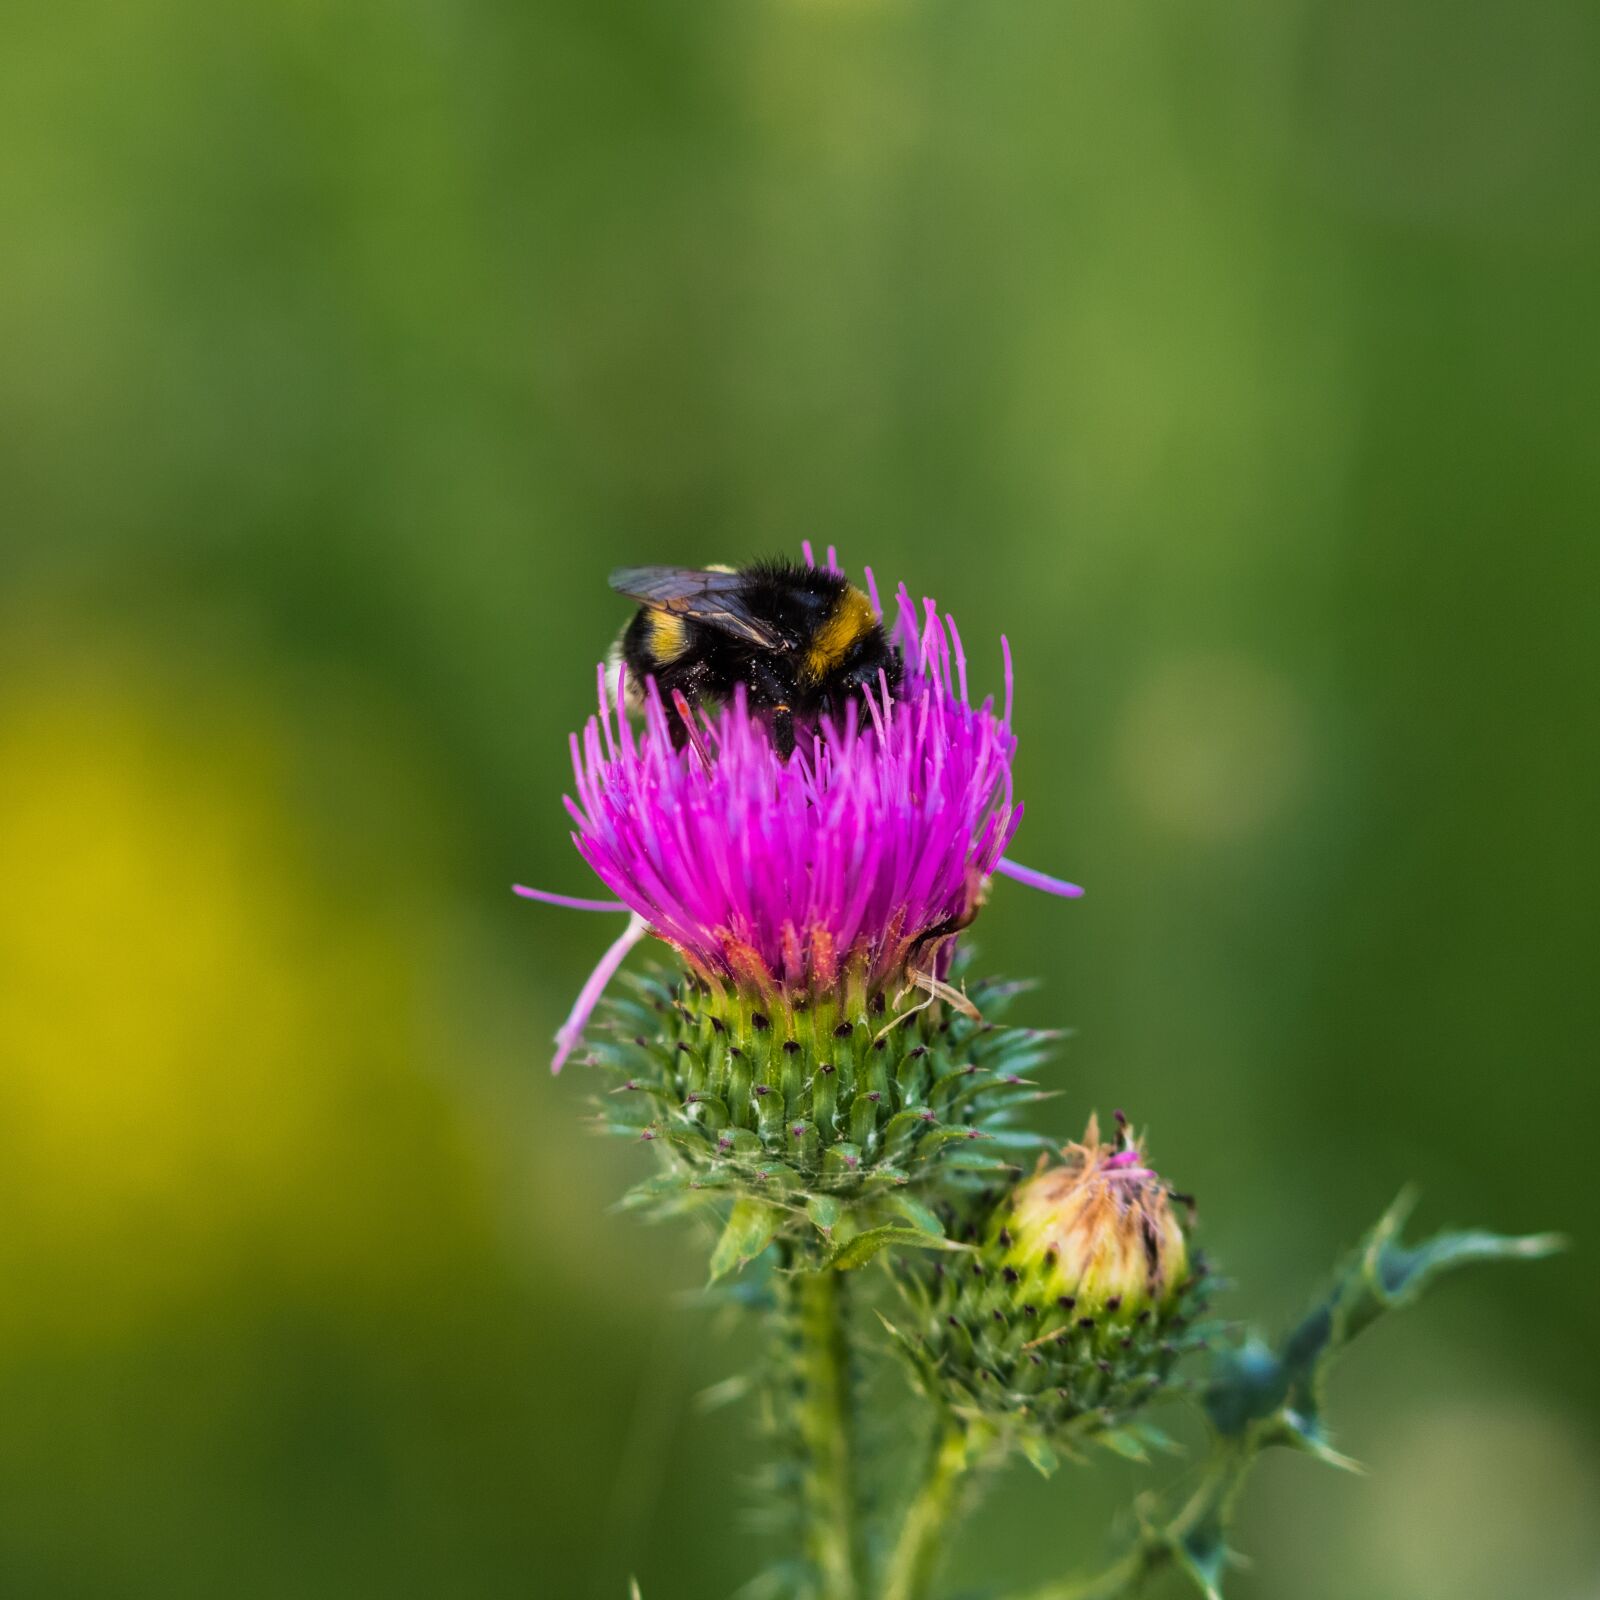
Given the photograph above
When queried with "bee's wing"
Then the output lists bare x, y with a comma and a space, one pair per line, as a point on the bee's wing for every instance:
714, 598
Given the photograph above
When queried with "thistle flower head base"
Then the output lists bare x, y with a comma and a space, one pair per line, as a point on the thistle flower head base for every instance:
847, 1095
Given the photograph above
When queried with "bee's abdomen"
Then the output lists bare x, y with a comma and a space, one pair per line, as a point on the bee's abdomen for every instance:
669, 636
655, 639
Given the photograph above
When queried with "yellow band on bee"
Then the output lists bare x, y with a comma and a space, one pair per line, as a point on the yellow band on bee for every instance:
850, 618
669, 637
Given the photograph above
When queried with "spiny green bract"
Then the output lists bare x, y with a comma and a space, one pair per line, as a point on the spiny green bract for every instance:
826, 1118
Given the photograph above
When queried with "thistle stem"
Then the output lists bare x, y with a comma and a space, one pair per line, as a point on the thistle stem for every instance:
827, 1433
932, 1514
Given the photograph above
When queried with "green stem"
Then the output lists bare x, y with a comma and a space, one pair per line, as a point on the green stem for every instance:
932, 1515
827, 1433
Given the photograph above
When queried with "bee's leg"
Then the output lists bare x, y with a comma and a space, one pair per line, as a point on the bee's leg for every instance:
783, 731
770, 694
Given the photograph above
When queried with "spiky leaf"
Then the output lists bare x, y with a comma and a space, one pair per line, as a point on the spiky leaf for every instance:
857, 1252
752, 1225
1284, 1387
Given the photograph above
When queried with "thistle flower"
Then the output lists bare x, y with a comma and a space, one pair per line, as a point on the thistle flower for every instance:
850, 866
814, 902
1077, 1302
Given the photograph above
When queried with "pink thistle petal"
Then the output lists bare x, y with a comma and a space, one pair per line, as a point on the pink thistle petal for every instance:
571, 902
1037, 880
571, 1031
961, 659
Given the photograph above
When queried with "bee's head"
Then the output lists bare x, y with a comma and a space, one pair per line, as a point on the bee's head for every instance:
871, 661
876, 656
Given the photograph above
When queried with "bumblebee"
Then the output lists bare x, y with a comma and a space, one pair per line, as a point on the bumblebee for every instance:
801, 639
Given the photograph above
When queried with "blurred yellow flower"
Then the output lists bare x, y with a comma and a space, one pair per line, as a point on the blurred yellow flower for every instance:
209, 1057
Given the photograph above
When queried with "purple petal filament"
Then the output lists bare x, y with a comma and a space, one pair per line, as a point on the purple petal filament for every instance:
1038, 880
571, 1031
571, 902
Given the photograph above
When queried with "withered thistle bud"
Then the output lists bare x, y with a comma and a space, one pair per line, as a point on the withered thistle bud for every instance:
1099, 1229
1077, 1303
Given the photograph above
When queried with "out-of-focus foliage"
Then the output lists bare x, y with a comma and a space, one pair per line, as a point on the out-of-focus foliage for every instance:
1238, 361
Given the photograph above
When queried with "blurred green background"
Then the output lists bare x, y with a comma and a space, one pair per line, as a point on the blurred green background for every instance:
1238, 361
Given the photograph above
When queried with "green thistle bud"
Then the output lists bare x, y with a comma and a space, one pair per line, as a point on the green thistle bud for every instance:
1076, 1302
848, 1096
